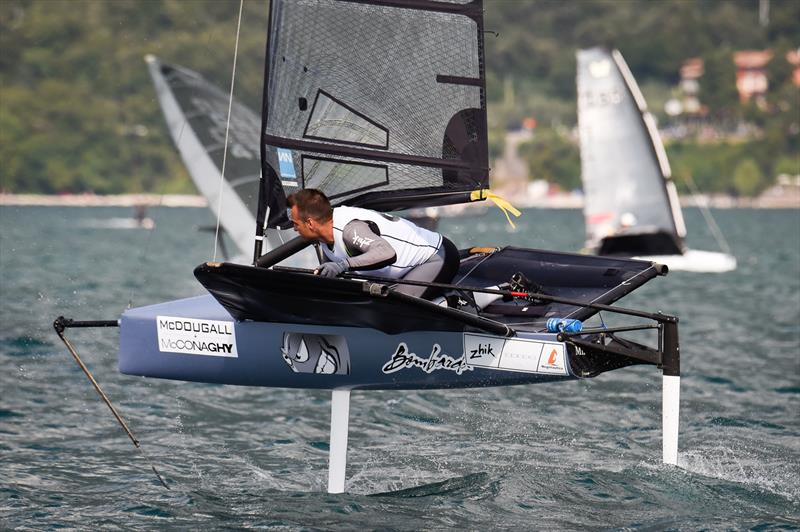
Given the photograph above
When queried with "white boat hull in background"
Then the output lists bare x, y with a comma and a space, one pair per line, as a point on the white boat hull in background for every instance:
696, 261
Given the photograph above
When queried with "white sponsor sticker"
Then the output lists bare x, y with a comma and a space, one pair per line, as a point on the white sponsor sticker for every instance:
514, 354
286, 164
600, 69
552, 360
521, 355
483, 351
196, 337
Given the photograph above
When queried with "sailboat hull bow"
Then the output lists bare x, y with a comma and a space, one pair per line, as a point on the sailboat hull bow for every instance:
283, 328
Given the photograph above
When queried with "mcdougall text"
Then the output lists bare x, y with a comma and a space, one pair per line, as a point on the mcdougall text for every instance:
188, 326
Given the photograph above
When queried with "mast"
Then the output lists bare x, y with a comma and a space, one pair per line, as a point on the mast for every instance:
263, 193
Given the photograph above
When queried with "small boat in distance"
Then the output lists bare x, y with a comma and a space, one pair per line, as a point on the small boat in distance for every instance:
631, 205
139, 220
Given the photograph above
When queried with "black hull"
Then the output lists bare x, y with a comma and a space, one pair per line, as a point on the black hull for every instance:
294, 296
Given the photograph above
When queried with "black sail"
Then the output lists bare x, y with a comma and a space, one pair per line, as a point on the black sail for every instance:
378, 104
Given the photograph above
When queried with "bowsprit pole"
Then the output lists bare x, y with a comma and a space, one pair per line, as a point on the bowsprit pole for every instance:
60, 324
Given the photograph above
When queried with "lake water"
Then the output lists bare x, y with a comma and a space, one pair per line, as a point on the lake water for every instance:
581, 454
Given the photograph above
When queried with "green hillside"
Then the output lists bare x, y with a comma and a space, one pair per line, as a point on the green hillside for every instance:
78, 111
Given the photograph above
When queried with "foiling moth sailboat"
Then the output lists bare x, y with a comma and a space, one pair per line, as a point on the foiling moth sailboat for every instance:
389, 117
631, 205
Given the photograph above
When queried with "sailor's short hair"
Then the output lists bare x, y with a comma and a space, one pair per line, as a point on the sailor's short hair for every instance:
311, 203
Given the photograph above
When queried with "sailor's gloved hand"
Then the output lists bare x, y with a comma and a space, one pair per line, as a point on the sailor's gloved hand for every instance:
333, 269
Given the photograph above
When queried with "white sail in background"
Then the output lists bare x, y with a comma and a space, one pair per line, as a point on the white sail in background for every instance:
625, 171
196, 114
631, 204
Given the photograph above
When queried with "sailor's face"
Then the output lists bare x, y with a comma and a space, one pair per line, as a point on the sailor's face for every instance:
304, 227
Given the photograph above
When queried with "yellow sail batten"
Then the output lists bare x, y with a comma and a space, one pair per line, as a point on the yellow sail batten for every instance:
502, 203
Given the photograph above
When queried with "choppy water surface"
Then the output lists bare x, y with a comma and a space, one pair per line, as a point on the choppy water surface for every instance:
582, 454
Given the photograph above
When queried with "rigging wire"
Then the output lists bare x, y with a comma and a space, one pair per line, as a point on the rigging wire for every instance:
146, 250
227, 130
466, 275
712, 224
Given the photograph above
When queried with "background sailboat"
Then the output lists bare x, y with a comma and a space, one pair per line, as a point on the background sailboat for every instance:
631, 204
196, 113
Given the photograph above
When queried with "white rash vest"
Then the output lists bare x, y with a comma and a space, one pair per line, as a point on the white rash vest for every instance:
412, 245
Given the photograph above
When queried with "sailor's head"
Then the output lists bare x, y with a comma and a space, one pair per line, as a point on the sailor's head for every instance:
310, 211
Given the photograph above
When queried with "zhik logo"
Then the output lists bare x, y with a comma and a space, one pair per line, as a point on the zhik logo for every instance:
361, 241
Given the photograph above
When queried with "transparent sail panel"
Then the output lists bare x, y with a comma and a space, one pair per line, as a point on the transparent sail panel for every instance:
340, 178
335, 121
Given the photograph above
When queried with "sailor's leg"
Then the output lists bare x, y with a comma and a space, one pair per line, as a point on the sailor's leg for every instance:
425, 272
340, 419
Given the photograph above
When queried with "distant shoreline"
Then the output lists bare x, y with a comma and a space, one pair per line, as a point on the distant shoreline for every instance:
554, 201
96, 200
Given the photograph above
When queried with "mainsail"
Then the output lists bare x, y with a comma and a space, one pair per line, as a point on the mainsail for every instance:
386, 134
631, 205
196, 113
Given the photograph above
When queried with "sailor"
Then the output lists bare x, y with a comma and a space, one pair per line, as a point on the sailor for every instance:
362, 240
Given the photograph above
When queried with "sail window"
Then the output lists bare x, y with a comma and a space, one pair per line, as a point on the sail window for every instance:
342, 178
333, 120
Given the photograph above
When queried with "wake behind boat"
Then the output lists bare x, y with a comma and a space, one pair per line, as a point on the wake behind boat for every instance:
390, 129
119, 223
631, 205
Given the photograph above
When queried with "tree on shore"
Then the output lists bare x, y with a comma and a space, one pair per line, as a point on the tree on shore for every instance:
747, 178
